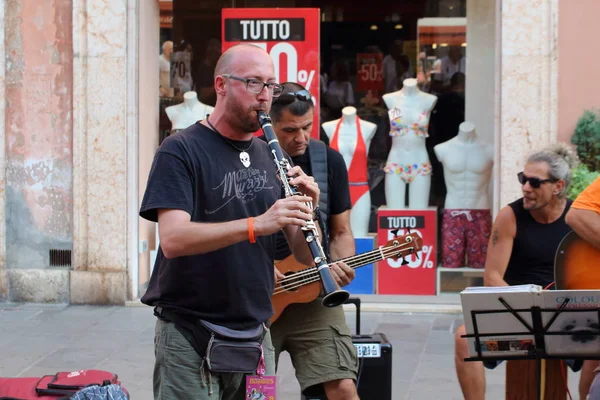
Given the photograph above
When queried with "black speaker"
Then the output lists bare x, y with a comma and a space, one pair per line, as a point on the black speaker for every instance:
375, 366
374, 380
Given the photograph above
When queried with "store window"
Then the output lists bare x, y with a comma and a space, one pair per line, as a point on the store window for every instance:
430, 50
368, 55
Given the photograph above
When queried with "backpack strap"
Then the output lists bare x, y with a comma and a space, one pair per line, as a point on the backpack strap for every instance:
317, 153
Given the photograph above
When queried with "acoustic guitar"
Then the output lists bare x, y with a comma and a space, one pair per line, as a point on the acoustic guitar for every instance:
302, 283
577, 264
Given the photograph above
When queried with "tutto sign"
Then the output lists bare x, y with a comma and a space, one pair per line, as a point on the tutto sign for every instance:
289, 35
418, 273
369, 75
250, 30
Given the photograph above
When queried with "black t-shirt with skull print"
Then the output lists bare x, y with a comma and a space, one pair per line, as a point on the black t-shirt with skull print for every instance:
198, 171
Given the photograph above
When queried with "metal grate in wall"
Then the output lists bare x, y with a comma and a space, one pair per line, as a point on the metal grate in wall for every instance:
60, 258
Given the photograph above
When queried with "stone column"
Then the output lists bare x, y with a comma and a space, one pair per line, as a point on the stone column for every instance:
100, 238
528, 87
36, 150
3, 274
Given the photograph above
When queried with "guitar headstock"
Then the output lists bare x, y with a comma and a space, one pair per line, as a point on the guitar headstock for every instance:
402, 246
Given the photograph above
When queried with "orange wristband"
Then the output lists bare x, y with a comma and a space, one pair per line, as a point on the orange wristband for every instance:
251, 236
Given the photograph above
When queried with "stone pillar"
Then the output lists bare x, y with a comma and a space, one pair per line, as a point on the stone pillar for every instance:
528, 87
37, 151
99, 274
3, 273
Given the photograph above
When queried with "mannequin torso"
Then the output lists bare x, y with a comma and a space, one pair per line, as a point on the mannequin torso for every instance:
467, 169
351, 137
409, 111
466, 219
408, 161
187, 113
348, 133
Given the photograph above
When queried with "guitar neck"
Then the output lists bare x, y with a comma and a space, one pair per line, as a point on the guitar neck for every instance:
360, 260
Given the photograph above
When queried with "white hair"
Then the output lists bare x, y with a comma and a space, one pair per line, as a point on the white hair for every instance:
560, 158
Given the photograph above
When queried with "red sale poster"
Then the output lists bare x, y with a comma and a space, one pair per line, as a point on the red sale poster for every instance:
290, 35
369, 72
418, 274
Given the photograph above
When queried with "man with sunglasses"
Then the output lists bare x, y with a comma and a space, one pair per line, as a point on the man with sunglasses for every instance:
317, 338
525, 236
214, 190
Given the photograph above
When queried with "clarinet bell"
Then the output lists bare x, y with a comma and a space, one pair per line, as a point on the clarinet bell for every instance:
333, 295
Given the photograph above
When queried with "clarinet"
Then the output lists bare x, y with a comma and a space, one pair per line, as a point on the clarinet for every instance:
333, 295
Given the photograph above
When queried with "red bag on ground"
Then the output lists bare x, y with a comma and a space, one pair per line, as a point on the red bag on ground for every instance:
52, 387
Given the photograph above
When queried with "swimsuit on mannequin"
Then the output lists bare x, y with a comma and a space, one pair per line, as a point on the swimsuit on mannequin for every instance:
351, 137
466, 220
408, 161
187, 113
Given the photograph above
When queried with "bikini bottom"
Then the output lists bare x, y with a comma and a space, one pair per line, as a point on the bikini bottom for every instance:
408, 172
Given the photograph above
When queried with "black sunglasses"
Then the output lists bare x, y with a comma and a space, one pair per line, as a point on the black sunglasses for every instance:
534, 182
302, 95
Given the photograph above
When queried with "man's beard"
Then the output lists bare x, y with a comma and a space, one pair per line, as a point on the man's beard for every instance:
247, 119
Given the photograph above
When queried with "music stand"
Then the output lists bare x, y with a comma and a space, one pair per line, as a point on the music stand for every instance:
537, 329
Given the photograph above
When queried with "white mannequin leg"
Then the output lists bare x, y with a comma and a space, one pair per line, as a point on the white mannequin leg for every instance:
360, 214
418, 194
395, 192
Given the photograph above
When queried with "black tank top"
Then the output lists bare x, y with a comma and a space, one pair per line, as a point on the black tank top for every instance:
534, 247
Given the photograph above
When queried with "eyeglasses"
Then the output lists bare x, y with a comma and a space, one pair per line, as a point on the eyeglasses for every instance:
257, 86
533, 182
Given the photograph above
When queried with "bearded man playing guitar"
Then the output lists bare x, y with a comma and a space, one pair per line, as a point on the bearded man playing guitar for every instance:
316, 337
584, 218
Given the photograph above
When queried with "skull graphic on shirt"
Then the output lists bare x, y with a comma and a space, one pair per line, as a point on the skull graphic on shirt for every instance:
245, 159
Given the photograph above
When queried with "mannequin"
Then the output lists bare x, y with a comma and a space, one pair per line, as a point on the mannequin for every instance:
408, 161
351, 137
187, 113
466, 220
164, 60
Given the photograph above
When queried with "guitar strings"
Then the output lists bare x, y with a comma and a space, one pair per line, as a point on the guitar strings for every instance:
307, 271
369, 256
311, 274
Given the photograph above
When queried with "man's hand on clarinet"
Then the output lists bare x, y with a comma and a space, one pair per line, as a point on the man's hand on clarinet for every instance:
305, 184
292, 210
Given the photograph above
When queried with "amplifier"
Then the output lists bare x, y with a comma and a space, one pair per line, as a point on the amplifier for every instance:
374, 363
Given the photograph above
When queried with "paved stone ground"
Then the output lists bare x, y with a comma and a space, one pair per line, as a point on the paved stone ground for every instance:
43, 339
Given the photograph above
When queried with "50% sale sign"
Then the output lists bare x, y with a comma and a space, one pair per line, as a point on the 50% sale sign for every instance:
289, 35
415, 273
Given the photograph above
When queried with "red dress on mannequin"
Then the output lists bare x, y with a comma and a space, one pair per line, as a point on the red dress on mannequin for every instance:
357, 172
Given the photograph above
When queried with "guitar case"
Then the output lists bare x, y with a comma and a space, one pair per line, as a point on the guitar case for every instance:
374, 352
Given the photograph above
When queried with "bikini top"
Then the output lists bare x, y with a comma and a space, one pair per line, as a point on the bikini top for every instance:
400, 125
